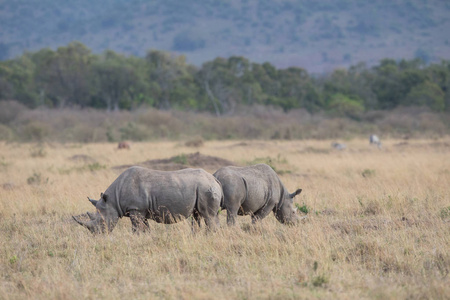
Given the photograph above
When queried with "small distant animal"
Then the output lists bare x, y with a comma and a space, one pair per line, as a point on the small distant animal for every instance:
124, 145
163, 196
338, 146
256, 190
374, 140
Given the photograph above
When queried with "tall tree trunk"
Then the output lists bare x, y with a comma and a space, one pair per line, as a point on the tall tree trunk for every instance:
211, 98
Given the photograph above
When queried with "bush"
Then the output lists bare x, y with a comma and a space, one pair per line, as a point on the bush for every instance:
427, 94
342, 105
6, 133
9, 110
259, 122
303, 208
195, 142
36, 179
36, 131
134, 132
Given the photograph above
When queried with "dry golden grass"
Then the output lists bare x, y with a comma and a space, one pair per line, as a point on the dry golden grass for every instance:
378, 226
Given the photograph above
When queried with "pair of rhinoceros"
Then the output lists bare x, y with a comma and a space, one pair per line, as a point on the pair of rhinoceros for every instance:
168, 197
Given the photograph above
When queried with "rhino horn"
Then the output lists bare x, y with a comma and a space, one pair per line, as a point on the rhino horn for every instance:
94, 202
295, 193
89, 225
78, 220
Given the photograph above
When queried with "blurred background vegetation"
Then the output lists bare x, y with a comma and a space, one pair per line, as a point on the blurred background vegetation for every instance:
72, 76
73, 95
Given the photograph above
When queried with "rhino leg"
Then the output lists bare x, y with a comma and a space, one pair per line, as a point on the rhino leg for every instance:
231, 217
138, 222
212, 222
196, 219
262, 213
233, 206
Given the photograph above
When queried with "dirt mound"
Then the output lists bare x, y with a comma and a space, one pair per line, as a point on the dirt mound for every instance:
183, 161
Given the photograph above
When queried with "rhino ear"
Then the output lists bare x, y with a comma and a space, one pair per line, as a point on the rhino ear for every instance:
295, 193
105, 197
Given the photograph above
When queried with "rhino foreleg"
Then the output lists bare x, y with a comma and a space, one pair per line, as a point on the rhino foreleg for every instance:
262, 213
138, 222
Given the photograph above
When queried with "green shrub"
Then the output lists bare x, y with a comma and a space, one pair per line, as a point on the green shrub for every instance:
36, 131
38, 151
368, 173
36, 179
319, 281
6, 133
95, 167
271, 163
445, 213
303, 208
342, 105
134, 132
181, 159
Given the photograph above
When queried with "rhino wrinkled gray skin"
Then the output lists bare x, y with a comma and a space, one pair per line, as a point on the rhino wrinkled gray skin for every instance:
256, 190
166, 197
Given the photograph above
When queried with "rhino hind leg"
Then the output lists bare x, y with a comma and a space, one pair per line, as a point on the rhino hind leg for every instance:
138, 222
196, 219
208, 205
212, 222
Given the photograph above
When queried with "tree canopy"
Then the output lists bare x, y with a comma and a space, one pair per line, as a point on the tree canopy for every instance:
72, 76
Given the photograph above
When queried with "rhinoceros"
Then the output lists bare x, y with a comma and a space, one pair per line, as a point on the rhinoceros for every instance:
164, 196
255, 190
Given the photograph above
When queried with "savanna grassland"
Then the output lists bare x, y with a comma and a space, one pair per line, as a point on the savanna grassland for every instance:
378, 226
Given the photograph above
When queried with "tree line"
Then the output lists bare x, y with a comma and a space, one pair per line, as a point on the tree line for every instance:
73, 76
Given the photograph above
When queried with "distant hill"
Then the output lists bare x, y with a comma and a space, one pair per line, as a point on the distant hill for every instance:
316, 35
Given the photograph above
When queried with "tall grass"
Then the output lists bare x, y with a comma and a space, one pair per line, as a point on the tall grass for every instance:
384, 236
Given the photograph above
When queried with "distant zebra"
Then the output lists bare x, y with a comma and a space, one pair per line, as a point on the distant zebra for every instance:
374, 140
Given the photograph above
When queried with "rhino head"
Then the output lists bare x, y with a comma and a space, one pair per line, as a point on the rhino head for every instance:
104, 220
285, 212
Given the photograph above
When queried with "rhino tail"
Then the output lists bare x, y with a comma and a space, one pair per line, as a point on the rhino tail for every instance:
222, 201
